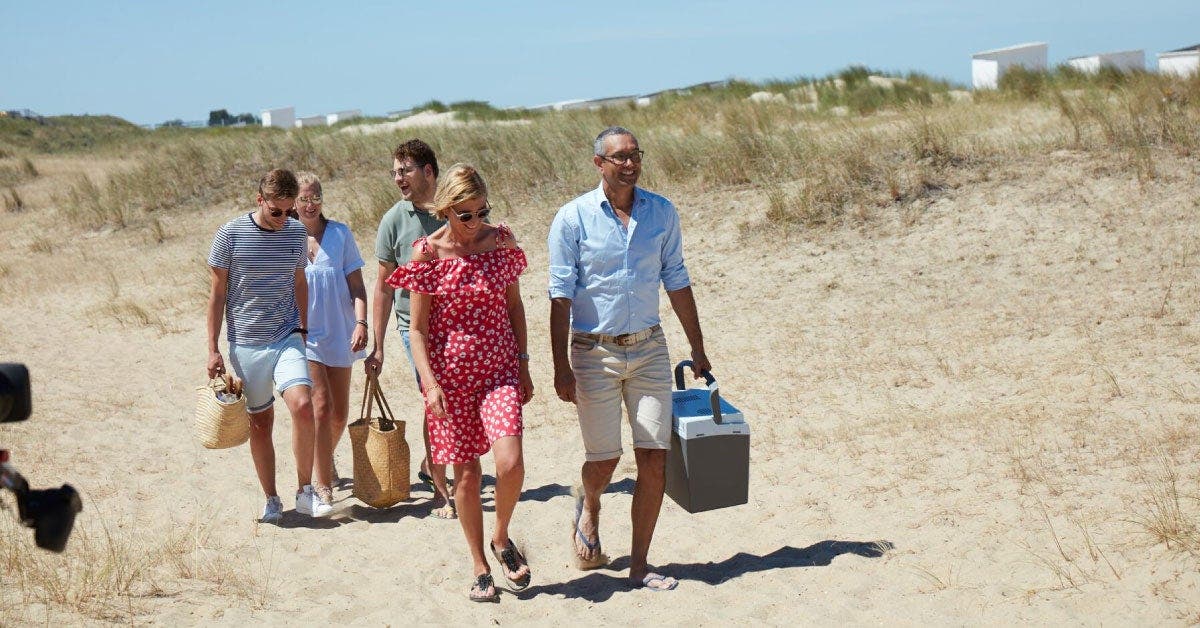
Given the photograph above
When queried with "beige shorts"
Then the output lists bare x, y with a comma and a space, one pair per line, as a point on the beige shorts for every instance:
609, 375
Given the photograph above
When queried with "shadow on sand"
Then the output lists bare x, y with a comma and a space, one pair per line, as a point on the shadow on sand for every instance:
601, 585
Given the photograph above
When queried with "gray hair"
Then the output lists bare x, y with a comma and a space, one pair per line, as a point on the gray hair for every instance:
606, 133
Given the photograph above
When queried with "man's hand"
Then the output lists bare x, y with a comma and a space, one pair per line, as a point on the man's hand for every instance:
564, 383
216, 364
699, 364
374, 362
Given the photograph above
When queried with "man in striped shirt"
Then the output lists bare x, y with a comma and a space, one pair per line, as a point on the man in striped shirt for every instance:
257, 265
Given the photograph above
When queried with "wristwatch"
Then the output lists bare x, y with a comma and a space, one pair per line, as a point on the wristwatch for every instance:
523, 356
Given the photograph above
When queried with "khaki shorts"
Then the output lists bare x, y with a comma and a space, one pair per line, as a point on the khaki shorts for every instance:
607, 376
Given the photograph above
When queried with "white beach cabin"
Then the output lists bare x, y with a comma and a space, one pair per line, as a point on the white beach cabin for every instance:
1183, 62
988, 66
1124, 61
282, 117
309, 121
341, 116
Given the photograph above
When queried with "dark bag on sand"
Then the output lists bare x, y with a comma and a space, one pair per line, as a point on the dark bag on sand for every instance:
380, 452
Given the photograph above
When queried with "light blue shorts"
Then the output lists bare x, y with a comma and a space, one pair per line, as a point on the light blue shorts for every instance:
259, 366
408, 352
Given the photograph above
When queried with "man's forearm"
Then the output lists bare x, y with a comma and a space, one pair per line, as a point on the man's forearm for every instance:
215, 314
684, 304
379, 313
560, 328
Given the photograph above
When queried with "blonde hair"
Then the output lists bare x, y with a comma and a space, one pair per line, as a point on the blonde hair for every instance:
462, 182
305, 177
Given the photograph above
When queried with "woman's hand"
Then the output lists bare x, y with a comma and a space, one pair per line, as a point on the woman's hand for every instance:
358, 339
526, 383
435, 399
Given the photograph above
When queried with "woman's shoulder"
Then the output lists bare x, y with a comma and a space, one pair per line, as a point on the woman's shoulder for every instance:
505, 239
425, 248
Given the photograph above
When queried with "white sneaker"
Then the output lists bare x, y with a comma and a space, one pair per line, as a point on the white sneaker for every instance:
321, 505
311, 504
273, 511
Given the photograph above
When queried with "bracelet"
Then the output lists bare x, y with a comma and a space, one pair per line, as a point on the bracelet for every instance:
523, 356
361, 322
431, 387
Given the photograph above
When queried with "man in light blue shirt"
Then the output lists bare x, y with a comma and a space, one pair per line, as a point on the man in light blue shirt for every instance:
610, 249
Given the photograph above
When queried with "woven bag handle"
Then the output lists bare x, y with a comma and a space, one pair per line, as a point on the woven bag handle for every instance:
385, 410
364, 411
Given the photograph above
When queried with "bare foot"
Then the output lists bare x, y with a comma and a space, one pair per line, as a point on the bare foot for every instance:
445, 512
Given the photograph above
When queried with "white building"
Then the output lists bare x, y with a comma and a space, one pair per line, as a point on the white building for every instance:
1182, 62
283, 117
341, 116
310, 121
988, 66
1124, 61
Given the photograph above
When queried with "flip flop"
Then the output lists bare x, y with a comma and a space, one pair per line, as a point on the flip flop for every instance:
665, 583
511, 559
482, 582
583, 563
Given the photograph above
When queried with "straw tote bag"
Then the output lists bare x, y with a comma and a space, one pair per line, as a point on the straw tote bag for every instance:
221, 418
380, 452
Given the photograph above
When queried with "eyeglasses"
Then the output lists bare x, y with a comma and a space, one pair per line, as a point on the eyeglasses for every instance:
469, 216
315, 199
620, 158
404, 172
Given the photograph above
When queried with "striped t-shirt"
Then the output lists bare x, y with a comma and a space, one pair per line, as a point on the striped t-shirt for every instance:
260, 303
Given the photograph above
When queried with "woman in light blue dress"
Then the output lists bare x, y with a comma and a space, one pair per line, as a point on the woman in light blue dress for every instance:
337, 318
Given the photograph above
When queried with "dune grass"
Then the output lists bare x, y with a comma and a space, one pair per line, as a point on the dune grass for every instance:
902, 143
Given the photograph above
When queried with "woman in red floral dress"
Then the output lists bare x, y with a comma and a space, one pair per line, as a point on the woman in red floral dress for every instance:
469, 344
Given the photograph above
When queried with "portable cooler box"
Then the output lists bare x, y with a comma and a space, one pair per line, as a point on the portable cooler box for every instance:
708, 466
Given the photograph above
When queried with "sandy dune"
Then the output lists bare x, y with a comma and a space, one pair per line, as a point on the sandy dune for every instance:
960, 414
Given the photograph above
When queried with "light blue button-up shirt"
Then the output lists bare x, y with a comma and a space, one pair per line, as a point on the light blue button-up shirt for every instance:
609, 271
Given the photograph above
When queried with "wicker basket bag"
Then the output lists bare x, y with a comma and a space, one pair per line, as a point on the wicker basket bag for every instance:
221, 423
381, 455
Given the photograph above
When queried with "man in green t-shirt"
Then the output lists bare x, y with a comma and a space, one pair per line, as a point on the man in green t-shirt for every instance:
415, 171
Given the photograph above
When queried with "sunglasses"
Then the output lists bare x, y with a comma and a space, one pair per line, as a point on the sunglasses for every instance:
275, 211
469, 216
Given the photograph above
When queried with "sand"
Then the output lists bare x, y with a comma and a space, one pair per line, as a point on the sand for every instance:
960, 412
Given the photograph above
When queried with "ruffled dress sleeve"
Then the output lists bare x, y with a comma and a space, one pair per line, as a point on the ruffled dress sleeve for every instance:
514, 261
422, 277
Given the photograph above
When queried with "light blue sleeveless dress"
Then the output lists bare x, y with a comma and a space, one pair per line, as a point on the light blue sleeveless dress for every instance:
330, 308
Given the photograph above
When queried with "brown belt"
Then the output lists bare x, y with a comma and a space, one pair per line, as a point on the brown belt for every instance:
623, 340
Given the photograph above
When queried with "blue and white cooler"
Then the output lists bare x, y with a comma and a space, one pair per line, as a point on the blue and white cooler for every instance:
708, 466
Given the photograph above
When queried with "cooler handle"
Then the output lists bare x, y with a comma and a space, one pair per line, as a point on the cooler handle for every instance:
714, 397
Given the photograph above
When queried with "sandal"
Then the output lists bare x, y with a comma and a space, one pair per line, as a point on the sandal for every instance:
511, 560
482, 582
427, 479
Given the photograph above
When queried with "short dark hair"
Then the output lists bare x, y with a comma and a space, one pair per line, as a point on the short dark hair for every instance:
419, 152
278, 183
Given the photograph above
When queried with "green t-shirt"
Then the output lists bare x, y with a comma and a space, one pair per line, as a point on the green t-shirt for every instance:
400, 227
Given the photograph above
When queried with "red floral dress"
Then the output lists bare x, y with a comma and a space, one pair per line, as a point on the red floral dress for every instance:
472, 348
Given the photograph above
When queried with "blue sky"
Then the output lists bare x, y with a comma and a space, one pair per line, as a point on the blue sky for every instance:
149, 62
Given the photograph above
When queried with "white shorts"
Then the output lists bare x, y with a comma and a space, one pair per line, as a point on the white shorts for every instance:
609, 375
